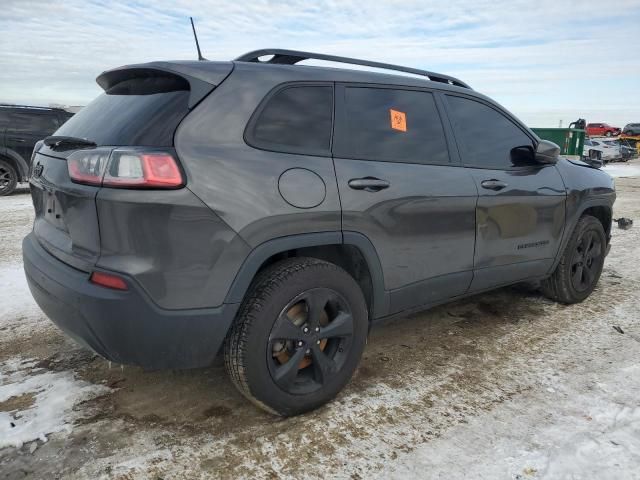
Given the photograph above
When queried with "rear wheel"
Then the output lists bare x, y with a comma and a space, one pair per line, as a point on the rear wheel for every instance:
8, 178
608, 133
581, 263
298, 337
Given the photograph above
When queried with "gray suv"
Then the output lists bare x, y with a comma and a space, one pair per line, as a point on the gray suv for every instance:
275, 211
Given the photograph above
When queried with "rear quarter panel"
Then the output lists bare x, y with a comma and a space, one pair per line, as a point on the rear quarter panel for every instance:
239, 182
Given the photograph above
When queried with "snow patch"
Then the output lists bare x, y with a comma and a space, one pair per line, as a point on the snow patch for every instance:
18, 309
54, 396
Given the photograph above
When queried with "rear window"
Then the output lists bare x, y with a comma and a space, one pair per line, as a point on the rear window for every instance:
296, 119
139, 111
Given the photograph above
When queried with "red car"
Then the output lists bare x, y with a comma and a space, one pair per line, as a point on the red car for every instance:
602, 130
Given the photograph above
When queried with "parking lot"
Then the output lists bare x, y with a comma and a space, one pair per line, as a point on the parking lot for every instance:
502, 385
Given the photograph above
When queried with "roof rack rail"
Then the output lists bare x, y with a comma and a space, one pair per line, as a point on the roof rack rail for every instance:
291, 57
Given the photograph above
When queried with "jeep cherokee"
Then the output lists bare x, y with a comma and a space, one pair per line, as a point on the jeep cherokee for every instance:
274, 211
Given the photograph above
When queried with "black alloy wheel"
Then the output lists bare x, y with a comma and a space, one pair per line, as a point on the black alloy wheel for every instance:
580, 264
310, 341
298, 336
586, 261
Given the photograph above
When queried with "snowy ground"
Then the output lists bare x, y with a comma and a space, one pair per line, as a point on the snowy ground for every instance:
506, 385
622, 169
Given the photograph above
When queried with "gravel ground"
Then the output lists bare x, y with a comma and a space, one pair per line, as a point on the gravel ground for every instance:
502, 385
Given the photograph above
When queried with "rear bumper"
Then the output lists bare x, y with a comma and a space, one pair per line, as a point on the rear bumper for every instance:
124, 327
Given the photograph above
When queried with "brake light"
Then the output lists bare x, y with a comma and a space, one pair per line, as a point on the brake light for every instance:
108, 280
125, 168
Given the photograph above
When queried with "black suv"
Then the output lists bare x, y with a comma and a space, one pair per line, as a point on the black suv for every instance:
275, 211
20, 128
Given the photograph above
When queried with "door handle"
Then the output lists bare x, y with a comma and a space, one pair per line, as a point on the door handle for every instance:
17, 140
368, 184
493, 184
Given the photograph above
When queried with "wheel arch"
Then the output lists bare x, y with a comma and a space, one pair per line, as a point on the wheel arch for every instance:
350, 250
603, 213
597, 208
16, 161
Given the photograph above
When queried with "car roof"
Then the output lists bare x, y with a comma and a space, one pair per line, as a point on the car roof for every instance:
214, 72
286, 62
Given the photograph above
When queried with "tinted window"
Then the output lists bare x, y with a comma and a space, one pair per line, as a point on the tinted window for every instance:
139, 111
394, 126
25, 122
488, 137
296, 119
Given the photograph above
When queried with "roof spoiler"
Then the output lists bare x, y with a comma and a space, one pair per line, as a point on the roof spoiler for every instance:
201, 80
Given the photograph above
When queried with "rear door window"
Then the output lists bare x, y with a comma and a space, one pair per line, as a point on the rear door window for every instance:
487, 137
296, 119
392, 125
141, 111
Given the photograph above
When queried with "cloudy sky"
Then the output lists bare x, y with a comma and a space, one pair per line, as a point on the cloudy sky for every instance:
545, 60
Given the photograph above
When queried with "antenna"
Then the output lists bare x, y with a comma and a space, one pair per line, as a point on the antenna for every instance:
200, 57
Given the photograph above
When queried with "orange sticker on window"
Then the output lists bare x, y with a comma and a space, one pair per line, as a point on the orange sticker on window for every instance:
398, 120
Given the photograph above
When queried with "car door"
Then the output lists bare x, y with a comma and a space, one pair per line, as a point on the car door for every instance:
521, 204
26, 128
402, 187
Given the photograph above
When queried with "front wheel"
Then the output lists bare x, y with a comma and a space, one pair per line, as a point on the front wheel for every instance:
608, 134
581, 263
298, 337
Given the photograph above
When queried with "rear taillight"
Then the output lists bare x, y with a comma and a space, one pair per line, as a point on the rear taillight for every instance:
87, 166
125, 168
133, 169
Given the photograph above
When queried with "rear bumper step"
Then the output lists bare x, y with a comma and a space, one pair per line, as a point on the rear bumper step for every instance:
123, 326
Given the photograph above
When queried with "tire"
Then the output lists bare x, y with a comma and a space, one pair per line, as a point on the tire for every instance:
607, 133
8, 178
580, 265
298, 371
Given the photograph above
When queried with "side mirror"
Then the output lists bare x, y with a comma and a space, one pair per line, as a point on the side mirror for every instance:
547, 152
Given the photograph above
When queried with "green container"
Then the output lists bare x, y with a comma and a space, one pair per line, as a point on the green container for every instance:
570, 140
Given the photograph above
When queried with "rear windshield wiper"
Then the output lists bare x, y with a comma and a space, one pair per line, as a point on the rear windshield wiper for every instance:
65, 143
